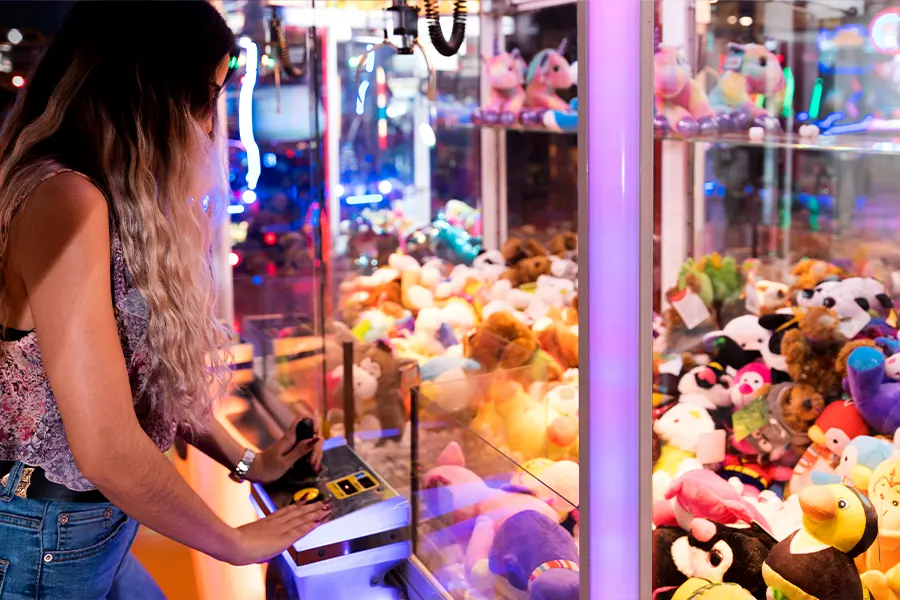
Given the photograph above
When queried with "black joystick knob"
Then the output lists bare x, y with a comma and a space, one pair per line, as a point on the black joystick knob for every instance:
306, 429
302, 474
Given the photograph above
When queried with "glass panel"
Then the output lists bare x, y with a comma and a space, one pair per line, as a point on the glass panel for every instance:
542, 163
776, 270
275, 118
475, 507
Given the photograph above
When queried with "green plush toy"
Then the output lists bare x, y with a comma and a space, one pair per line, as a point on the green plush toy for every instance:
691, 269
725, 275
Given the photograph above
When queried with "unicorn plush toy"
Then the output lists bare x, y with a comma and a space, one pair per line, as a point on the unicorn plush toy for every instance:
681, 105
548, 72
750, 71
506, 74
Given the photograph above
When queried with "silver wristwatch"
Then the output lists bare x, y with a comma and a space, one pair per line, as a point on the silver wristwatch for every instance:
239, 473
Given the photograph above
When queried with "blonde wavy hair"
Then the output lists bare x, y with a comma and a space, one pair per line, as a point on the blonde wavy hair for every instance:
112, 100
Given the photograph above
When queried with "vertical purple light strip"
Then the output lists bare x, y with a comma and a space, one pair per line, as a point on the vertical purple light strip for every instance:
614, 289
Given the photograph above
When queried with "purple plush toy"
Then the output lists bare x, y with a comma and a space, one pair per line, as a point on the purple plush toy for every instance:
536, 554
878, 401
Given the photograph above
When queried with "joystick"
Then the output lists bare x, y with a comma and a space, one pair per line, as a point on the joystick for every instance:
302, 476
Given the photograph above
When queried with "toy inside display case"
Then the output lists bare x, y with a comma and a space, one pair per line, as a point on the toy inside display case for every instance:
775, 397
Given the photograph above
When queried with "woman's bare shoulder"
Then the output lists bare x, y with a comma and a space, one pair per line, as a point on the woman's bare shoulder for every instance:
65, 201
66, 210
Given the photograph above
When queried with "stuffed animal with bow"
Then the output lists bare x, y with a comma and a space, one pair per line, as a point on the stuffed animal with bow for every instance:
548, 72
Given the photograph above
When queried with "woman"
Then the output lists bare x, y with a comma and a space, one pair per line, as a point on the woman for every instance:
110, 345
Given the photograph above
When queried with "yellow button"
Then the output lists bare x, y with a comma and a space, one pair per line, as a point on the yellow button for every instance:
306, 495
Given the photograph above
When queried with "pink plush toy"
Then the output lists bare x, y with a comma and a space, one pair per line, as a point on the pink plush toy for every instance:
701, 494
681, 104
453, 490
549, 71
506, 75
747, 381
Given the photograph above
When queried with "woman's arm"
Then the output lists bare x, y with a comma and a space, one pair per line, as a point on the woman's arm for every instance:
270, 464
60, 248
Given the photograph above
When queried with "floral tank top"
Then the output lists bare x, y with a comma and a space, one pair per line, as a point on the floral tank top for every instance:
31, 429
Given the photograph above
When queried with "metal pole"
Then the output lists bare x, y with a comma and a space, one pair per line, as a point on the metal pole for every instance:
414, 466
349, 400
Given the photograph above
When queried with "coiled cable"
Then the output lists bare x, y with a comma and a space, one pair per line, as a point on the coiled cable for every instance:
457, 34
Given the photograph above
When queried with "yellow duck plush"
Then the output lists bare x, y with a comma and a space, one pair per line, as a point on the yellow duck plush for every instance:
816, 561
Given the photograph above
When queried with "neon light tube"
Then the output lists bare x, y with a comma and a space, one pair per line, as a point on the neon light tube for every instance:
788, 92
816, 102
245, 113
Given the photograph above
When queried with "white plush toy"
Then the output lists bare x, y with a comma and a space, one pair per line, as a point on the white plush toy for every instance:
365, 385
679, 430
490, 265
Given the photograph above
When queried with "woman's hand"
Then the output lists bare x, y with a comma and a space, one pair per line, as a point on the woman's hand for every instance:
274, 461
267, 538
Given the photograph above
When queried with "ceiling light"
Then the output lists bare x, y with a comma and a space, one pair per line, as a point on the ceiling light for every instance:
746, 21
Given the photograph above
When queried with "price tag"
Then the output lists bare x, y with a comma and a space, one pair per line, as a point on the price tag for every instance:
672, 366
690, 308
752, 417
751, 299
711, 448
851, 327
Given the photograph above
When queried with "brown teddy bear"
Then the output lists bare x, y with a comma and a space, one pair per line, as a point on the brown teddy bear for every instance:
526, 261
515, 250
809, 272
559, 341
795, 406
564, 244
502, 341
812, 349
380, 362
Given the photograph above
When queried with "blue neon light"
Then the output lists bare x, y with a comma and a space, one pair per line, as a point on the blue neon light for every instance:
245, 113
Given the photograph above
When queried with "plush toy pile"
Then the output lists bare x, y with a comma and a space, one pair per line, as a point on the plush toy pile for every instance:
492, 531
776, 405
496, 342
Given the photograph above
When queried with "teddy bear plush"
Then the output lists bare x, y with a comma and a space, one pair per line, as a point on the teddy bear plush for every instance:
795, 407
564, 244
811, 350
810, 272
380, 362
502, 341
525, 261
558, 340
514, 250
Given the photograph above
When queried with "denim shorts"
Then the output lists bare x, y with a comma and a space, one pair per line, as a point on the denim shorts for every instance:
58, 551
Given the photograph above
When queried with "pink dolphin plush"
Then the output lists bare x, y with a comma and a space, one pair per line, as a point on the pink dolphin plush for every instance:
702, 494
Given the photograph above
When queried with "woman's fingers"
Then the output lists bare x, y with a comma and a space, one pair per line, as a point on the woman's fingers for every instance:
302, 449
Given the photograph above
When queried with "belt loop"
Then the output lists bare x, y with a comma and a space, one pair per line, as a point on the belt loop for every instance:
10, 482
